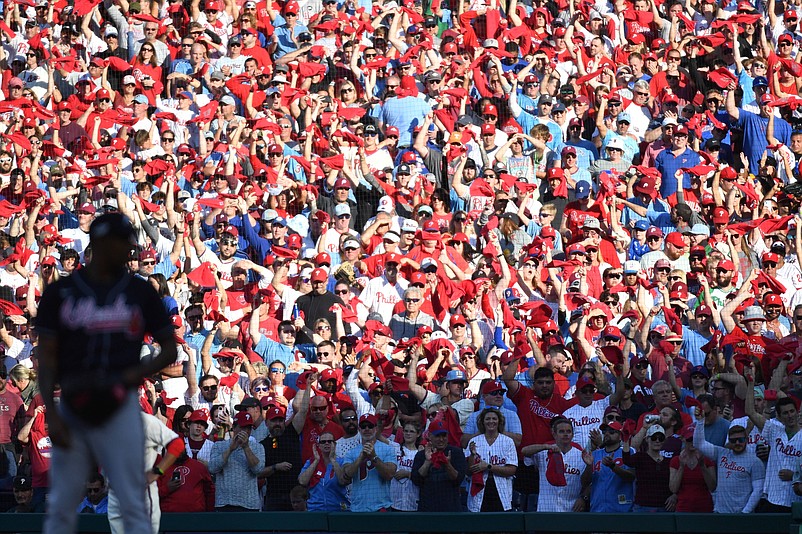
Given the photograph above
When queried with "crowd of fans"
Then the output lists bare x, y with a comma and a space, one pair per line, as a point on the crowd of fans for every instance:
433, 256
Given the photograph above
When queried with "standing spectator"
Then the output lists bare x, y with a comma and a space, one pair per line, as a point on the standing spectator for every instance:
324, 477
282, 453
236, 462
692, 477
198, 444
33, 436
652, 473
370, 469
438, 470
11, 413
740, 473
405, 493
186, 487
493, 396
492, 464
784, 438
560, 466
611, 488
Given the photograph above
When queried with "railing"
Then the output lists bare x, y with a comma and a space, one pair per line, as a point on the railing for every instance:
464, 522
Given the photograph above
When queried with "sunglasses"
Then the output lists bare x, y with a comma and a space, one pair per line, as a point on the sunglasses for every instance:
366, 426
319, 408
277, 370
326, 441
349, 418
658, 437
209, 388
261, 388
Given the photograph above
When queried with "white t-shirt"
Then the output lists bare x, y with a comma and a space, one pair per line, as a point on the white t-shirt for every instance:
404, 492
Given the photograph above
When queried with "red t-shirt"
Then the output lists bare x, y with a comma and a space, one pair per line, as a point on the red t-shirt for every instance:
536, 414
196, 493
575, 215
39, 451
693, 495
11, 407
312, 432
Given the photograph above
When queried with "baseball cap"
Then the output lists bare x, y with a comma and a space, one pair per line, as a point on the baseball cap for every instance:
319, 275
243, 419
631, 266
582, 189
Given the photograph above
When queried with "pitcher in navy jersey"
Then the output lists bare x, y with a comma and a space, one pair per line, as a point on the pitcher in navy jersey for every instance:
91, 327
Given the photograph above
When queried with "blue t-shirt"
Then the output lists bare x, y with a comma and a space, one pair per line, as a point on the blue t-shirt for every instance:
668, 164
609, 492
754, 143
370, 492
404, 113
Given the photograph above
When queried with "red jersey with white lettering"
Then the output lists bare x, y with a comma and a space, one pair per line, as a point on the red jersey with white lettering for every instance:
536, 414
785, 453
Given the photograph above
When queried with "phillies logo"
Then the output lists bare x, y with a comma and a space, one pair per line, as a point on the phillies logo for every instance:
585, 421
540, 411
788, 450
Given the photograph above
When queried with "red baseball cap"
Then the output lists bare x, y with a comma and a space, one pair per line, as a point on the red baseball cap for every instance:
720, 215
323, 259
772, 299
243, 419
319, 275
457, 319
490, 109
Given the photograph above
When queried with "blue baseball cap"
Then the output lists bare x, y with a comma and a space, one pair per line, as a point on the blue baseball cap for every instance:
582, 189
642, 224
760, 81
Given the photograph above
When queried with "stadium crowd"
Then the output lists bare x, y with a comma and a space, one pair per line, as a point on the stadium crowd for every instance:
435, 256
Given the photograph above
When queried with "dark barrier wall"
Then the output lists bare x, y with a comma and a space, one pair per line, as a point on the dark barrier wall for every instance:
414, 522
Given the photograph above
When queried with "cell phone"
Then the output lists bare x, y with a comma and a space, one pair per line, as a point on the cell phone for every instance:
176, 476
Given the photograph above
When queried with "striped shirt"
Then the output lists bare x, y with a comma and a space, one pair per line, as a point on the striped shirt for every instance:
785, 453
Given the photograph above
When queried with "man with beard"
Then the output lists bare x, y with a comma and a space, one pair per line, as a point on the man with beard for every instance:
611, 482
371, 468
282, 456
439, 481
741, 474
351, 438
331, 384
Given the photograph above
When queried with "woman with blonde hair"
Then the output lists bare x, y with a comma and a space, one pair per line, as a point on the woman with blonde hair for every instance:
24, 379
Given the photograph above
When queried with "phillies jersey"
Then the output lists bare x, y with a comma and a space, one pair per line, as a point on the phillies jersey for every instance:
536, 414
587, 418
560, 498
785, 453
